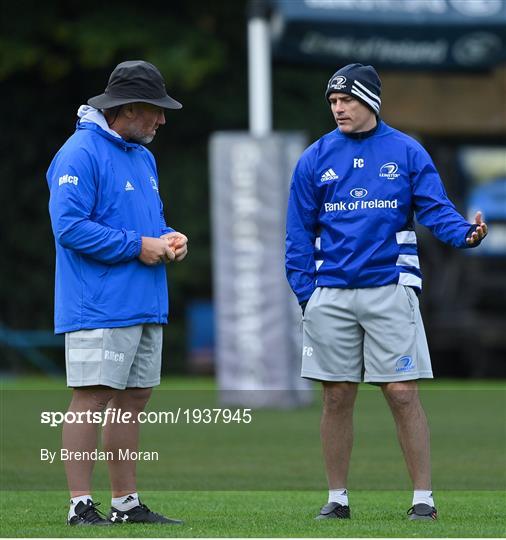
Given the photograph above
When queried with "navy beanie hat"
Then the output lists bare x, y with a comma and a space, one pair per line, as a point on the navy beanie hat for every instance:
361, 82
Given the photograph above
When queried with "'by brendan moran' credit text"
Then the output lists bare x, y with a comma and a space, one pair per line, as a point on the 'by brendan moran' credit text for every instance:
122, 454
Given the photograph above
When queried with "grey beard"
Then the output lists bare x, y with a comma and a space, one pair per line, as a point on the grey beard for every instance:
142, 139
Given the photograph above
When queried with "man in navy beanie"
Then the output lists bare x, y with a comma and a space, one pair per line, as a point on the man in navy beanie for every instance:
361, 82
352, 261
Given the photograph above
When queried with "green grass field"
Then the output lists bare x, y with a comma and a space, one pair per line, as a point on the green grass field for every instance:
266, 478
267, 514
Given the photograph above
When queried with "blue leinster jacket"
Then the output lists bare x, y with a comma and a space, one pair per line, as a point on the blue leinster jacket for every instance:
103, 198
351, 211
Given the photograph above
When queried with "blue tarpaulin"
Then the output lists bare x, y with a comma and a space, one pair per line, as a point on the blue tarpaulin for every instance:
461, 35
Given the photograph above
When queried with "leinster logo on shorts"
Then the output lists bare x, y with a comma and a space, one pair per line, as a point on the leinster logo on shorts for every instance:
389, 170
405, 363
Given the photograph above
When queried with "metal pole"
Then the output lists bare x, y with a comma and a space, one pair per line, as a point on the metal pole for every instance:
259, 71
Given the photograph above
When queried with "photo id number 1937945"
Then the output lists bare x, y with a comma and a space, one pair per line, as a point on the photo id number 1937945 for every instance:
215, 416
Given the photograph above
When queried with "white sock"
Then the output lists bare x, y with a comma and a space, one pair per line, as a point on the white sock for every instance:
127, 502
423, 496
339, 496
75, 501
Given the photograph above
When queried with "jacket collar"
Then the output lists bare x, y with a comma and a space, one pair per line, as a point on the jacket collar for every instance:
93, 119
378, 128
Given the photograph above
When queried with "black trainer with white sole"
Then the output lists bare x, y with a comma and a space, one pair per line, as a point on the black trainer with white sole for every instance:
87, 515
140, 514
422, 511
333, 510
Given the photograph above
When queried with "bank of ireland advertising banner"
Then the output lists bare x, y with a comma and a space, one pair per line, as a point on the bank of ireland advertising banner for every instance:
456, 35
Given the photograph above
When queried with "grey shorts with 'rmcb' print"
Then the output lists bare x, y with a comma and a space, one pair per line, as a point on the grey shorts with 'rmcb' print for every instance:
128, 357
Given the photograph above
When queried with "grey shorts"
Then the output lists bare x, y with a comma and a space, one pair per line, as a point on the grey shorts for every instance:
370, 335
116, 357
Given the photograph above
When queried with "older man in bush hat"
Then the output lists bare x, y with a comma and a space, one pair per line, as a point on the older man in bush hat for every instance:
111, 299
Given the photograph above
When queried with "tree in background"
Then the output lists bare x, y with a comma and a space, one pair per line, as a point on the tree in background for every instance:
53, 57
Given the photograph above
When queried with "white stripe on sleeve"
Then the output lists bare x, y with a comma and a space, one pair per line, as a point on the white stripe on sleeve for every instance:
410, 280
408, 260
406, 237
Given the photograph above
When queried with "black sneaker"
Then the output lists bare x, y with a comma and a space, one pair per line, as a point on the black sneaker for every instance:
422, 511
87, 514
334, 510
140, 514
